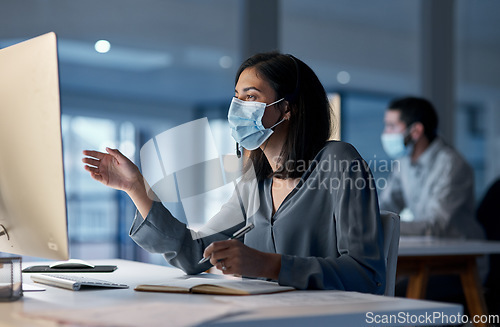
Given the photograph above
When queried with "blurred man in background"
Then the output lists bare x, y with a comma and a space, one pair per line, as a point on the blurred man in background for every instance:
433, 189
434, 184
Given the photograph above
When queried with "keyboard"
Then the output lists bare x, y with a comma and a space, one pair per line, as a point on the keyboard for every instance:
72, 282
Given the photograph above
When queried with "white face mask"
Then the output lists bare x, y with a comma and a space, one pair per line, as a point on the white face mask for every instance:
394, 144
245, 120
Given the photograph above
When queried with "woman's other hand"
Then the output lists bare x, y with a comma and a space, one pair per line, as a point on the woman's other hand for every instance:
234, 257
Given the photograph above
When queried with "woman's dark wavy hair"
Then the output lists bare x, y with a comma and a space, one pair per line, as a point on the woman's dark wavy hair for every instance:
310, 113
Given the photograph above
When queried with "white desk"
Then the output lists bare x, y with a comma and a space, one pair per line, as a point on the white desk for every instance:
420, 257
425, 245
350, 309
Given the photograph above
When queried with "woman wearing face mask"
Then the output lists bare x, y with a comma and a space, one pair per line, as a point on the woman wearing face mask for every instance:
317, 225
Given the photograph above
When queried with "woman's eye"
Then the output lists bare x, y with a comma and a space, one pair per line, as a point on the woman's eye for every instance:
250, 97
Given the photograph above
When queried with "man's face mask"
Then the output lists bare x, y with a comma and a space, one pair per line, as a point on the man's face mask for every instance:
394, 144
245, 120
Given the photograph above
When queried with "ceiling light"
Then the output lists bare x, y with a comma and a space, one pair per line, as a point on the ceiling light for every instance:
123, 58
226, 62
343, 77
102, 46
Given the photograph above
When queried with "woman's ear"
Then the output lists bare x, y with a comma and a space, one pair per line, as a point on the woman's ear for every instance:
287, 114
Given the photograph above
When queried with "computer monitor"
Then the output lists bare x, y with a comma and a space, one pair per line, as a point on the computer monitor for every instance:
32, 195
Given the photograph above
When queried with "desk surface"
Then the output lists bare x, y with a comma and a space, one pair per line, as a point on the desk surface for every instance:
422, 246
290, 308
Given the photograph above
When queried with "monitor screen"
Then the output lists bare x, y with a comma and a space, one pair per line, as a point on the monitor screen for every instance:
32, 194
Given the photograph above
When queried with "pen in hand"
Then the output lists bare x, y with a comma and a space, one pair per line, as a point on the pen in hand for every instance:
237, 234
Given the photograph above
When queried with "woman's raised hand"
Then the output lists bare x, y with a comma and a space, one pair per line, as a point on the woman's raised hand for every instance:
113, 169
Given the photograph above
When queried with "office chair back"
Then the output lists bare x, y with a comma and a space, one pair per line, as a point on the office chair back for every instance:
487, 215
390, 225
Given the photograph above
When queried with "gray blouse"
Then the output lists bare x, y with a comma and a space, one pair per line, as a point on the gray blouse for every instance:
327, 230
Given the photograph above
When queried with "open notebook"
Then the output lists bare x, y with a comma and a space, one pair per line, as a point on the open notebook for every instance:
218, 286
